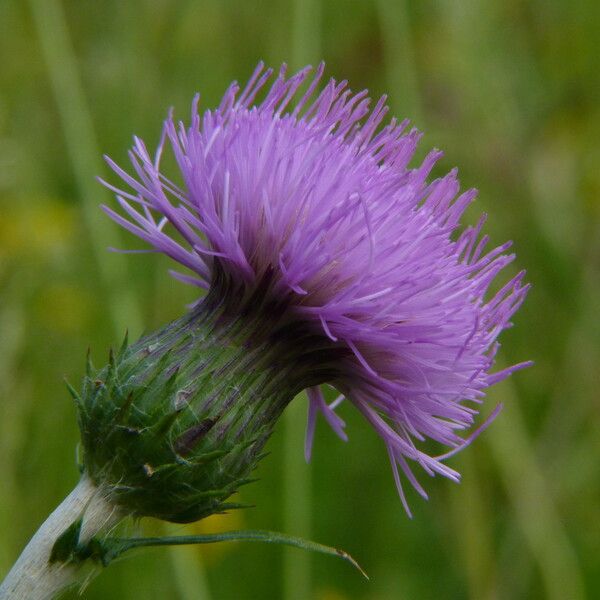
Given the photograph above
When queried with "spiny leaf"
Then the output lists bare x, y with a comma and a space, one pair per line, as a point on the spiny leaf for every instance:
246, 481
225, 506
171, 381
89, 367
188, 440
108, 549
65, 547
124, 345
215, 493
165, 423
123, 411
74, 393
200, 460
158, 368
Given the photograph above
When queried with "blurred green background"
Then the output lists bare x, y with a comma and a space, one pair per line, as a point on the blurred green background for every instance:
509, 89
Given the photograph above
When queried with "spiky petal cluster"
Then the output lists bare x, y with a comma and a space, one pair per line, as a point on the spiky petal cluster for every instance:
308, 184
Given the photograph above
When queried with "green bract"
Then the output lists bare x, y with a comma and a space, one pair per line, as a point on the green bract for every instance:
176, 422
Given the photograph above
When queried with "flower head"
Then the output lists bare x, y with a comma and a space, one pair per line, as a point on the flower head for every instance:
299, 211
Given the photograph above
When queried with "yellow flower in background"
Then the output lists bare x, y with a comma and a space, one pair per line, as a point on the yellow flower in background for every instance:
38, 229
63, 307
330, 594
217, 523
210, 554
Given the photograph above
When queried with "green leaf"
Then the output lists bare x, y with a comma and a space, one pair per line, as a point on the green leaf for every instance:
107, 549
66, 545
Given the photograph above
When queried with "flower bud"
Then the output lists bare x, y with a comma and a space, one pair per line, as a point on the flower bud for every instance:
176, 422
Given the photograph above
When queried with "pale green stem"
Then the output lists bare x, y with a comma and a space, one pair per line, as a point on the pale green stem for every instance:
84, 155
33, 576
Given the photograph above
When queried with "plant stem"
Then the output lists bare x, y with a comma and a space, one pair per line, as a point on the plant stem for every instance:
33, 577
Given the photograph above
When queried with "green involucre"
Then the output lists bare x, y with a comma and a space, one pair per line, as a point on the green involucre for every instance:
174, 424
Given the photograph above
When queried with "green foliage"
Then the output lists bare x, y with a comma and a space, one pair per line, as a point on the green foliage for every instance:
105, 549
65, 547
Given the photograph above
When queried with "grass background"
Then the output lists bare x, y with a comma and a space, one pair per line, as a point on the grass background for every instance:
510, 89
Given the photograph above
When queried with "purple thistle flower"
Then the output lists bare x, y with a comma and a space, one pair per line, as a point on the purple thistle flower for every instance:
305, 199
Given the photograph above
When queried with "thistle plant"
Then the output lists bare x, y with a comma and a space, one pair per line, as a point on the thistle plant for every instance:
323, 260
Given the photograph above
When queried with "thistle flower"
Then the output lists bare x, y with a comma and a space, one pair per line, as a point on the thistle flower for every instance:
327, 261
